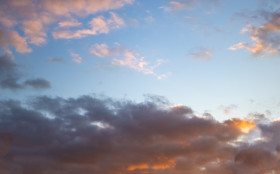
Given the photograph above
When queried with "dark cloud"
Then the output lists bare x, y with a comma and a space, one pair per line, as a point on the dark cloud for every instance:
38, 83
92, 135
10, 78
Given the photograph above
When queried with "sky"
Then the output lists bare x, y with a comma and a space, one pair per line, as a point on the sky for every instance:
139, 86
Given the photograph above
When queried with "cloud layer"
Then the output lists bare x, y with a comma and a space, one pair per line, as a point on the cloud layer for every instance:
100, 135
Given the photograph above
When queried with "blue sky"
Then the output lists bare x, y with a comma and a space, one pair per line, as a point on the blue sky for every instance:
139, 86
183, 46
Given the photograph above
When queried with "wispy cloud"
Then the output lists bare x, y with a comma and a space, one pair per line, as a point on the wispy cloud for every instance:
201, 53
174, 6
76, 57
128, 58
102, 50
99, 25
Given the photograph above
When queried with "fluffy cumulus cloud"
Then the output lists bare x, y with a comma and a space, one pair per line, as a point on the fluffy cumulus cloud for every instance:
100, 135
265, 37
128, 58
34, 17
11, 79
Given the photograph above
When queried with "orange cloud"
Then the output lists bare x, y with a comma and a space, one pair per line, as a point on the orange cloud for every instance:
265, 37
244, 125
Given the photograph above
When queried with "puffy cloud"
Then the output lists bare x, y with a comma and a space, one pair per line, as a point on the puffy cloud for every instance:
33, 16
10, 78
57, 135
12, 38
265, 37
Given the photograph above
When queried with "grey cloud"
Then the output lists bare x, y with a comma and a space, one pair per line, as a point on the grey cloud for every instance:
38, 83
101, 135
10, 77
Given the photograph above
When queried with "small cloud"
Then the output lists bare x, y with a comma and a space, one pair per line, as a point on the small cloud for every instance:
174, 6
227, 109
102, 50
76, 57
201, 53
55, 60
149, 19
38, 83
99, 25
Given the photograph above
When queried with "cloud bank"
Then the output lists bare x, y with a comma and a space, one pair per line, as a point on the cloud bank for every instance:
101, 135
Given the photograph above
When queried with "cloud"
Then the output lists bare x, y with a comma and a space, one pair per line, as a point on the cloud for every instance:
55, 60
178, 5
76, 57
12, 38
102, 50
93, 135
38, 83
10, 77
228, 109
174, 6
201, 53
33, 18
265, 37
128, 58
34, 32
69, 23
99, 25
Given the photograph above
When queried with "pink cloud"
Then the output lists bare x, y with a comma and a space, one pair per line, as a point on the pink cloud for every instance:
35, 16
